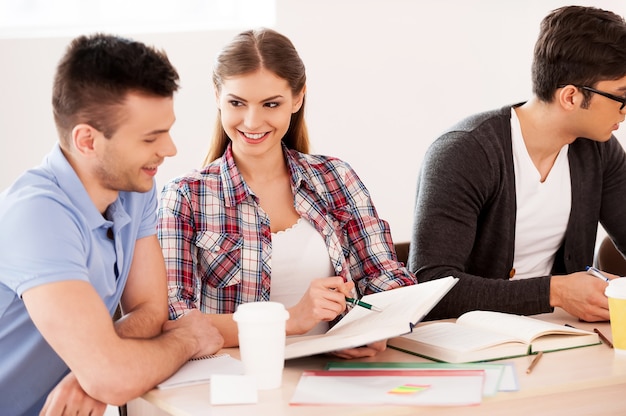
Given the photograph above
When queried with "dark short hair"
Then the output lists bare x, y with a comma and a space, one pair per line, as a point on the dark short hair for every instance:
95, 76
580, 46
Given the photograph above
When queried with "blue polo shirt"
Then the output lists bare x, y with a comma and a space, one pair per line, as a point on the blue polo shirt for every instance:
51, 231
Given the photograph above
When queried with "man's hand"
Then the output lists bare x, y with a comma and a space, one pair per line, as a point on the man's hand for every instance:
581, 295
201, 329
68, 398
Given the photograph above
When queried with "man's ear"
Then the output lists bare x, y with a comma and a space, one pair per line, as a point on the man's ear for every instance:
83, 139
568, 97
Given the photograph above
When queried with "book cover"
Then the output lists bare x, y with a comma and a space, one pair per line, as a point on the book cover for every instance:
498, 377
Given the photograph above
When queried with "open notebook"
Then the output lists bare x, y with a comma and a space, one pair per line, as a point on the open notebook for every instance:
402, 308
200, 370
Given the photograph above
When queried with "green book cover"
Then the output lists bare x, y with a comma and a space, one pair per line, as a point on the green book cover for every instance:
498, 377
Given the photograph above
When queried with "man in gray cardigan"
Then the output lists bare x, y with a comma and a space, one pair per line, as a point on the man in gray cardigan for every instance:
509, 201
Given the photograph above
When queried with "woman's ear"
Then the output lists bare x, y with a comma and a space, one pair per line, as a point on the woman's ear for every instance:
217, 98
298, 100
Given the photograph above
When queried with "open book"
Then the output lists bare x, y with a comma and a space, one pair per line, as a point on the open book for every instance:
402, 308
487, 335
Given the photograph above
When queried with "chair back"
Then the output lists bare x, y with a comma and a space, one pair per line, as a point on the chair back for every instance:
402, 251
609, 259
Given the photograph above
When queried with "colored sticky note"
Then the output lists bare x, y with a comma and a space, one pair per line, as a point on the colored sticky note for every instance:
408, 389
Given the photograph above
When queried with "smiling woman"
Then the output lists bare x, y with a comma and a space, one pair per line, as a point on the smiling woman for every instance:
19, 19
265, 219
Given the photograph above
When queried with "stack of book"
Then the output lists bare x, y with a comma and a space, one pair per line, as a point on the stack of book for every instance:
403, 383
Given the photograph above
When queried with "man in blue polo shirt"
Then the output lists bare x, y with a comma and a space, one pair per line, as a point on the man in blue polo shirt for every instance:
78, 237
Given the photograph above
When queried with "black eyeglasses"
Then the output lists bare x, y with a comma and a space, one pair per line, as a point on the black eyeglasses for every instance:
605, 94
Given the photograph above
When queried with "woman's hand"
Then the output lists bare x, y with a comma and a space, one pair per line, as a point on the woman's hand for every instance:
369, 350
324, 300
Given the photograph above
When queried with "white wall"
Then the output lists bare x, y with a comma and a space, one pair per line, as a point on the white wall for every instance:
385, 77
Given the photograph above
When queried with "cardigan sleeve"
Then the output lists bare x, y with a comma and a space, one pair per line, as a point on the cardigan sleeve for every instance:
613, 198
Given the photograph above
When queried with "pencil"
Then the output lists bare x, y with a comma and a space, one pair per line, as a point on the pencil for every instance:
363, 304
534, 362
603, 338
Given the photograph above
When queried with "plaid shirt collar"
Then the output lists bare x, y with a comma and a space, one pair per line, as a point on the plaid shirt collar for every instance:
235, 188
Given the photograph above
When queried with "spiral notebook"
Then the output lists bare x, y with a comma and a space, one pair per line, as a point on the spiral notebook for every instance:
200, 370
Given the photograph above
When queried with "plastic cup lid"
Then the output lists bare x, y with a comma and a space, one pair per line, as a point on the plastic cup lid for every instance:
260, 312
616, 288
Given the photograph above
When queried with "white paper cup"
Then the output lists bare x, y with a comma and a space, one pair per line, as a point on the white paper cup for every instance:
616, 292
261, 328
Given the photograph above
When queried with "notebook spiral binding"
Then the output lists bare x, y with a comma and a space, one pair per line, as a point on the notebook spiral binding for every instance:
205, 357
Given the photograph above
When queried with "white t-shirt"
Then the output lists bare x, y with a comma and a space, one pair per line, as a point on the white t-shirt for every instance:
543, 208
299, 255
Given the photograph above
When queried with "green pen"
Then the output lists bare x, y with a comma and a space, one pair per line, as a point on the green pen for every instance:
363, 304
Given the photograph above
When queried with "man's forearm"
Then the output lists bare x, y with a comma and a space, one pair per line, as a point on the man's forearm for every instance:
142, 322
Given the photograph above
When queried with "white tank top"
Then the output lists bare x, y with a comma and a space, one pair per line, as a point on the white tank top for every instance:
543, 208
299, 255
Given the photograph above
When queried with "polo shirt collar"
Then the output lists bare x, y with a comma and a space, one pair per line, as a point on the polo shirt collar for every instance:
70, 183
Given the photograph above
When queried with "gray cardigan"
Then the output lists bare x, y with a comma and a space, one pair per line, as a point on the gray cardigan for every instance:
464, 223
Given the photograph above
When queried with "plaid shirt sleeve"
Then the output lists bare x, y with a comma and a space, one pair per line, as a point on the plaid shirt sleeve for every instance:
337, 192
374, 265
214, 240
176, 234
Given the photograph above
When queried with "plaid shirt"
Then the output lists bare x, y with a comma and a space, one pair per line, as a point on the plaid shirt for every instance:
217, 243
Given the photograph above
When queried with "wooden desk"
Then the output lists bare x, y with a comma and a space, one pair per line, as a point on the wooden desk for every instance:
583, 381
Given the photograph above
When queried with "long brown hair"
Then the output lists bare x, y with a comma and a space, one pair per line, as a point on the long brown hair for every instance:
250, 51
